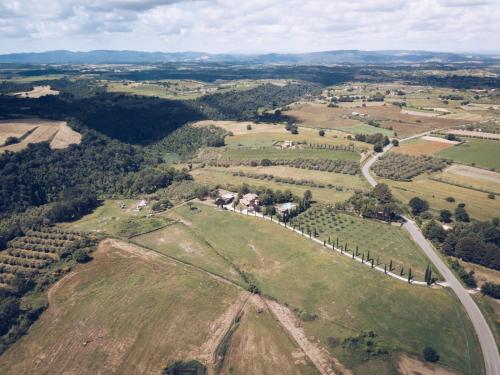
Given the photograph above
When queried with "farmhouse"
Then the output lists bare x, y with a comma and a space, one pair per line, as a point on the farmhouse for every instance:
224, 197
251, 201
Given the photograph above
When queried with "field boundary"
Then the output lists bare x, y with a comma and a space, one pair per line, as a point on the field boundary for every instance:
437, 179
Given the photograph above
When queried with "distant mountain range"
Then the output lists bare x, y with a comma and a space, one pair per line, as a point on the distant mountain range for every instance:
320, 58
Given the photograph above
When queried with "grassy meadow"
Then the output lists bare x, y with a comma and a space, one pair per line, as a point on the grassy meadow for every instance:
478, 152
344, 298
119, 314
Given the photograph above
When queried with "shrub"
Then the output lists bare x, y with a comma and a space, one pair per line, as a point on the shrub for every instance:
418, 205
321, 133
445, 216
378, 147
491, 289
450, 199
430, 354
81, 256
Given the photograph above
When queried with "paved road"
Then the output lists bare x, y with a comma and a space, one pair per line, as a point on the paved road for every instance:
483, 331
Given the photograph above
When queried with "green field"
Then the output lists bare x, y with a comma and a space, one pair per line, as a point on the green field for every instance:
478, 205
274, 153
479, 152
384, 242
366, 129
347, 297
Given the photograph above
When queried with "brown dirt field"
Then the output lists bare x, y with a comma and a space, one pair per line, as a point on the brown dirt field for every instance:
420, 147
315, 115
321, 116
58, 132
476, 173
240, 127
65, 137
15, 128
412, 366
37, 92
128, 311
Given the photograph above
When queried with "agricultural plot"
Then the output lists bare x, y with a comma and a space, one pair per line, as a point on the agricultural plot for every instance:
366, 129
296, 153
405, 167
341, 180
226, 177
389, 116
478, 205
420, 147
385, 243
37, 92
470, 177
127, 311
338, 299
30, 254
476, 152
174, 89
58, 133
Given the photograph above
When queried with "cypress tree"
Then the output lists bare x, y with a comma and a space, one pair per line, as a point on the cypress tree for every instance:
390, 266
372, 263
402, 271
353, 255
368, 256
337, 242
378, 260
357, 250
345, 247
363, 258
385, 269
409, 275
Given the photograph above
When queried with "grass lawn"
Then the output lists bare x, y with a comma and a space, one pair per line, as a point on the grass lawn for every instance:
491, 311
124, 222
260, 346
124, 312
480, 152
345, 296
274, 153
224, 177
366, 129
383, 241
478, 205
179, 241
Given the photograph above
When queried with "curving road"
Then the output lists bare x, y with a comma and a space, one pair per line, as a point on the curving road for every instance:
483, 331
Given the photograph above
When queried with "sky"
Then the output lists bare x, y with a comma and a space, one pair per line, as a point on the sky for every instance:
249, 26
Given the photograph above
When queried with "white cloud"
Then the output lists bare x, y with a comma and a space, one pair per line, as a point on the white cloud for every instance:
249, 26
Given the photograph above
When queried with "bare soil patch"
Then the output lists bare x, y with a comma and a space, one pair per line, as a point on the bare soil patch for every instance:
412, 366
477, 173
65, 137
15, 128
438, 139
421, 147
37, 92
